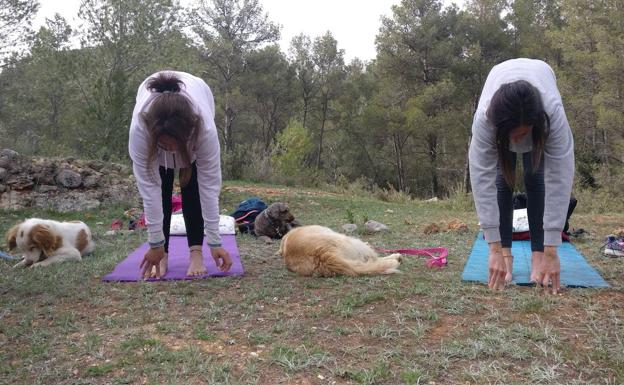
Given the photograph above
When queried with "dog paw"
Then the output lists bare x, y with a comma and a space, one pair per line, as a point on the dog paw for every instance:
265, 239
393, 270
397, 256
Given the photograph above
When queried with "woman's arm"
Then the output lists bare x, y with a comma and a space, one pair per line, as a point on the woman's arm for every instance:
208, 164
558, 176
148, 182
483, 159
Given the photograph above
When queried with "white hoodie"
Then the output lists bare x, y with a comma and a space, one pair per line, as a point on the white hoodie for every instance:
206, 154
558, 150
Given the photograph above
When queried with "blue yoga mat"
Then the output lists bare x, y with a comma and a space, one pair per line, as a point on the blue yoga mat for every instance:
575, 271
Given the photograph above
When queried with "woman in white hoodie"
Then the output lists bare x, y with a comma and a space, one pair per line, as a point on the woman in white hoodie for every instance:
520, 112
172, 129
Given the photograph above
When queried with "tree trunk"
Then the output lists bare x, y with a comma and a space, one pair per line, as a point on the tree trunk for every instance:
322, 132
467, 185
306, 103
398, 154
228, 144
432, 142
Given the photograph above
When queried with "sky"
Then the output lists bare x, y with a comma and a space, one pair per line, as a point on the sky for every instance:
353, 23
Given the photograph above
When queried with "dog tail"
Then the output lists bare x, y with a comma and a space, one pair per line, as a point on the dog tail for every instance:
385, 265
334, 265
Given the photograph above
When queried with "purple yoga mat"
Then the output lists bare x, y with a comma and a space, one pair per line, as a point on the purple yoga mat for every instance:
128, 270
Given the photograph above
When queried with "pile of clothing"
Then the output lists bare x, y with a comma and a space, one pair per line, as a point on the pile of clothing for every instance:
614, 244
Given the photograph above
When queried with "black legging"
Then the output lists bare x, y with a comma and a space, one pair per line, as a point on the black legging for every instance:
534, 184
191, 207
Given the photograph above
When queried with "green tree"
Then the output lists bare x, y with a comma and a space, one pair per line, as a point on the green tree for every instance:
120, 45
269, 82
417, 48
486, 42
356, 123
578, 77
229, 30
530, 22
15, 21
329, 63
40, 81
609, 101
291, 149
300, 53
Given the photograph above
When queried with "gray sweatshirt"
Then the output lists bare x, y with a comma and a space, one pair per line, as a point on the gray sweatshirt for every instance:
206, 154
558, 150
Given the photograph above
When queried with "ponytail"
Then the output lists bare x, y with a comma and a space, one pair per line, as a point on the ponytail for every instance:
164, 82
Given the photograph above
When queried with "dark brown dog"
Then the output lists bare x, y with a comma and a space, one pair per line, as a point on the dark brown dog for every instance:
274, 222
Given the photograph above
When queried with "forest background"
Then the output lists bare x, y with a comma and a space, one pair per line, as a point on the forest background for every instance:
305, 116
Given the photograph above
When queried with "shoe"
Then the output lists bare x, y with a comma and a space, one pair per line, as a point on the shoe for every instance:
614, 246
578, 233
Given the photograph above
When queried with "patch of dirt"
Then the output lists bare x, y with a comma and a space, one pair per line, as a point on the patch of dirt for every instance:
276, 192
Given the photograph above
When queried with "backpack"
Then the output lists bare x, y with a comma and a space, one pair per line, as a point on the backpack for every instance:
246, 212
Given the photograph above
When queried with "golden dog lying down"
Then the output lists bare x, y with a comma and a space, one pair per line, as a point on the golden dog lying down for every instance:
320, 251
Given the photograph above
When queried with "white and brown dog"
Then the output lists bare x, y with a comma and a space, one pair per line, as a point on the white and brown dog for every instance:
320, 251
43, 242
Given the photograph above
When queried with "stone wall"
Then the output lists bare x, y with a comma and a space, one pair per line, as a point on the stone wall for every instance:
63, 184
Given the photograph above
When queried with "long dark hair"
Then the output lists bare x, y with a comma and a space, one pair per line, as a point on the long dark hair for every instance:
171, 113
513, 105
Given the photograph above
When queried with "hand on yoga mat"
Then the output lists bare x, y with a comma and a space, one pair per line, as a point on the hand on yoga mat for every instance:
550, 269
152, 260
496, 266
222, 258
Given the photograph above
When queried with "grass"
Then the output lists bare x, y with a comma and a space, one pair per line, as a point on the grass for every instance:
61, 325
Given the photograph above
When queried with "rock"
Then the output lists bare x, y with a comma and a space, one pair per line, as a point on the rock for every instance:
44, 188
434, 199
67, 202
8, 158
43, 172
91, 181
20, 182
15, 200
51, 184
349, 227
375, 227
96, 165
457, 225
68, 178
431, 228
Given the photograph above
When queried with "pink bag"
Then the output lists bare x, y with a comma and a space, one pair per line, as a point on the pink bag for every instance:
176, 203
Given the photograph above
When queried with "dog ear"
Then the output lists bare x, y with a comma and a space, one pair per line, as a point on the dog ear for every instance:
11, 237
281, 207
45, 239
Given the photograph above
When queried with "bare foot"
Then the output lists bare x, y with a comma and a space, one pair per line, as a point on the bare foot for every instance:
536, 260
509, 268
196, 267
163, 267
